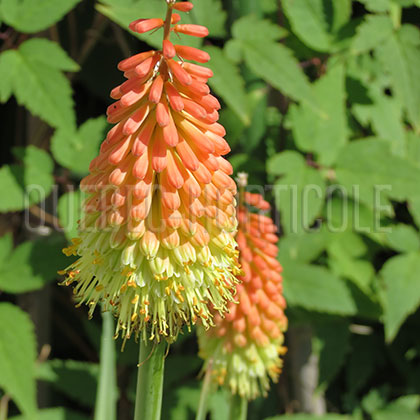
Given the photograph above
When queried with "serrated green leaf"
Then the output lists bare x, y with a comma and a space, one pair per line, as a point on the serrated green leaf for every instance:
49, 53
402, 60
310, 22
24, 185
32, 265
77, 380
40, 87
299, 194
385, 116
315, 288
228, 83
276, 64
403, 238
402, 290
17, 358
374, 30
368, 171
262, 30
31, 16
323, 135
75, 149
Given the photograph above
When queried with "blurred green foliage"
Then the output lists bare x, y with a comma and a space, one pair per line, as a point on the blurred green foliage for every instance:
321, 102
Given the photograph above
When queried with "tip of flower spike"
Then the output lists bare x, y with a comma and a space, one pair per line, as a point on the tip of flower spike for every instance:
185, 6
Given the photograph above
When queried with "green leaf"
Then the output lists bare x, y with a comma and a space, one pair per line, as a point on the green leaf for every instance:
209, 13
299, 194
344, 248
316, 289
32, 265
228, 83
403, 408
343, 214
49, 53
385, 116
403, 238
304, 247
402, 290
368, 171
262, 30
401, 57
54, 414
26, 184
70, 211
39, 85
77, 380
31, 16
377, 5
8, 67
311, 417
309, 21
374, 30
187, 399
6, 244
75, 149
323, 135
276, 64
17, 358
414, 208
341, 13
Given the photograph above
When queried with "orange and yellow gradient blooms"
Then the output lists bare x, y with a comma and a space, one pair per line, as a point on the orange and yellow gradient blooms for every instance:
156, 243
243, 350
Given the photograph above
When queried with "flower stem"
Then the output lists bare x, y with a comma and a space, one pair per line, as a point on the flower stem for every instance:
150, 380
107, 393
238, 408
204, 395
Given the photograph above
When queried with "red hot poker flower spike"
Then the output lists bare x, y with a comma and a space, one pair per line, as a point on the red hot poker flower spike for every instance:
157, 240
244, 348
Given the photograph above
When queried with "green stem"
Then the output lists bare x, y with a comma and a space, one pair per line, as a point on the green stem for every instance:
107, 393
238, 408
150, 380
204, 395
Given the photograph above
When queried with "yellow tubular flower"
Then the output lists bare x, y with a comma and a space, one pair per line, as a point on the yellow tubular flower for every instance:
157, 241
243, 350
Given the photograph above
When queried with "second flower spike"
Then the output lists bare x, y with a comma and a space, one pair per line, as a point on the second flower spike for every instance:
156, 244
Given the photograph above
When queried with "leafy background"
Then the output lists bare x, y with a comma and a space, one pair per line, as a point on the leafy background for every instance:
321, 103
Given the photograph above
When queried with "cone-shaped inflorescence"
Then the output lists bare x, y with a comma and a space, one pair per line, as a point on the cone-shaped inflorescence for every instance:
157, 240
243, 350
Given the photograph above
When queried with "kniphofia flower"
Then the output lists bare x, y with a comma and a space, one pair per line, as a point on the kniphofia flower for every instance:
243, 349
157, 240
